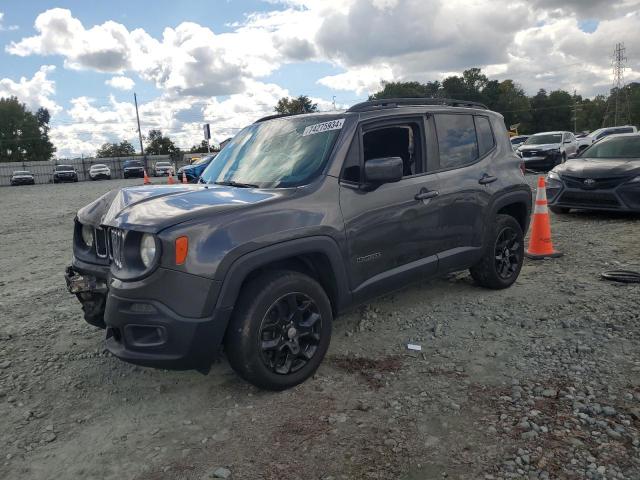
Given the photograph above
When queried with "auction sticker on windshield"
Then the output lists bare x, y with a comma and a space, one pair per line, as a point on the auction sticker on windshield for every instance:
323, 127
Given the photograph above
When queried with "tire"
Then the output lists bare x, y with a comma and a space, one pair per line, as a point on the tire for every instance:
262, 310
559, 210
487, 272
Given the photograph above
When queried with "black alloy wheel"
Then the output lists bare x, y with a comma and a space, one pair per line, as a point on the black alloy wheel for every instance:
507, 253
290, 333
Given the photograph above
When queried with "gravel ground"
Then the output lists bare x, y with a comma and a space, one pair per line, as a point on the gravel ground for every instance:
538, 381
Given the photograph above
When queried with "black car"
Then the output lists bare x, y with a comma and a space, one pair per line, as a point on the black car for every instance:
133, 168
22, 177
545, 150
605, 176
298, 219
64, 173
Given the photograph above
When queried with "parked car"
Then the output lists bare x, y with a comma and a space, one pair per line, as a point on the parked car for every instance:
601, 133
194, 170
161, 169
133, 168
605, 176
298, 219
547, 149
22, 177
518, 140
64, 173
99, 171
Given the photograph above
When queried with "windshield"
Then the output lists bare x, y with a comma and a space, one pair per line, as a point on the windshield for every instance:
21, 172
163, 164
544, 138
615, 147
132, 164
64, 168
284, 152
99, 165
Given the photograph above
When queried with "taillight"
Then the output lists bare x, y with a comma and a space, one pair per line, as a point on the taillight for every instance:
182, 249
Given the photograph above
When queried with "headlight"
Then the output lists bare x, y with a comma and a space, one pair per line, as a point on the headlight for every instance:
553, 176
147, 249
635, 179
87, 235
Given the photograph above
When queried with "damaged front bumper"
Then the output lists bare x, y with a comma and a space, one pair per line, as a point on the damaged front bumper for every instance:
89, 285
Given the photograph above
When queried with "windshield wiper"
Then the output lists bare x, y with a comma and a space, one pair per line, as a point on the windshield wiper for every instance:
231, 183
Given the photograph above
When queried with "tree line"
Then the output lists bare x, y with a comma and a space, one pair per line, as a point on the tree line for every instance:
543, 111
24, 135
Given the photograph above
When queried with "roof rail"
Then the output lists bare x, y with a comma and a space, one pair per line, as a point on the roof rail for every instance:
400, 102
276, 115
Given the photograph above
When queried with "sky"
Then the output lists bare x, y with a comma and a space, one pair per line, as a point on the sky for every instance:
227, 62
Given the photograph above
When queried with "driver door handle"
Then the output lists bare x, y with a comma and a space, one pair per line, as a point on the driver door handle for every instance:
426, 194
485, 179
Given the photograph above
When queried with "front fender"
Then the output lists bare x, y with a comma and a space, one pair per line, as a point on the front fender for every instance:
236, 273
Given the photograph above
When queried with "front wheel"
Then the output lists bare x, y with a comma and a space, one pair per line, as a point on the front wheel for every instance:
503, 255
280, 330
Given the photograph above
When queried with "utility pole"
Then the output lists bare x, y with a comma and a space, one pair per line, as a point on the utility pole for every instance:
334, 102
576, 108
619, 64
135, 100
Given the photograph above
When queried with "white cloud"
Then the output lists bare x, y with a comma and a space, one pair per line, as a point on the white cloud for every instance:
4, 28
120, 82
220, 77
35, 92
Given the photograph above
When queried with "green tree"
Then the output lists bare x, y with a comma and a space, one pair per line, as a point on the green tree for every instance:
123, 149
293, 106
407, 90
157, 144
202, 148
24, 136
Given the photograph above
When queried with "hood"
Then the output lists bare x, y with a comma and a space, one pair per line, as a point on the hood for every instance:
155, 207
544, 146
599, 167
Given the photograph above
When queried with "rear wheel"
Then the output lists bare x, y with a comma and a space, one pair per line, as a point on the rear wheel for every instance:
503, 256
280, 330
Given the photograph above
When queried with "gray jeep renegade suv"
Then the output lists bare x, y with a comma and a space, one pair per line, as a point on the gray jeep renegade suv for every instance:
297, 219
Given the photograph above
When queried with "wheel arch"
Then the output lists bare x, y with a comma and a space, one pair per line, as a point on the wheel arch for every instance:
318, 257
517, 205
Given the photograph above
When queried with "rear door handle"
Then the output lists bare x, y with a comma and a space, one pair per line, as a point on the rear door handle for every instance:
485, 179
427, 194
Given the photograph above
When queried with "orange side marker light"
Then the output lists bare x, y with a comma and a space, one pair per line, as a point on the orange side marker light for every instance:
182, 249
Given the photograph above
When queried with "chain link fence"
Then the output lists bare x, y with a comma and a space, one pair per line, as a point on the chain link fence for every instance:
43, 171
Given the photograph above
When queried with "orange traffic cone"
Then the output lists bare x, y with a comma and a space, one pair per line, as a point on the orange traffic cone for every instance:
184, 177
171, 180
540, 245
146, 178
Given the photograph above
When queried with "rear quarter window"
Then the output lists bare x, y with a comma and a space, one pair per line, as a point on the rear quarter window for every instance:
486, 140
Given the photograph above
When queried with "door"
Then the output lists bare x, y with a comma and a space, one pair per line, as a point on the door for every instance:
390, 228
465, 146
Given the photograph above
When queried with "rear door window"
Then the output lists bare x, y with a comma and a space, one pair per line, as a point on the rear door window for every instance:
457, 142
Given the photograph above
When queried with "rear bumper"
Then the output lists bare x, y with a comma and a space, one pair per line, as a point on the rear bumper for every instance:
98, 176
167, 320
23, 182
625, 198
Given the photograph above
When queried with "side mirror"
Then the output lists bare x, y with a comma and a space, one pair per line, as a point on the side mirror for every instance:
383, 170
567, 141
573, 155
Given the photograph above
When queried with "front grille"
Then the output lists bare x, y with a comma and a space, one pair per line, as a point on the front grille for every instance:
531, 153
101, 242
593, 199
598, 183
116, 244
